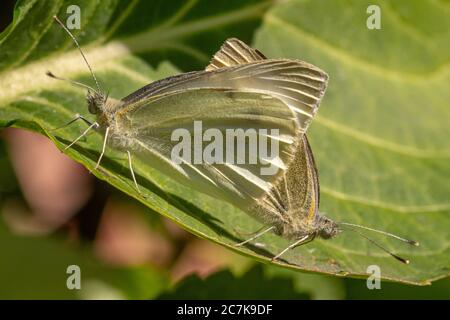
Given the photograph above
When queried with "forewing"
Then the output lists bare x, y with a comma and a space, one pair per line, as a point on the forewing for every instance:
296, 83
157, 121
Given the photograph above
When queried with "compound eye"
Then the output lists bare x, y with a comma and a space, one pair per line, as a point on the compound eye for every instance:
92, 107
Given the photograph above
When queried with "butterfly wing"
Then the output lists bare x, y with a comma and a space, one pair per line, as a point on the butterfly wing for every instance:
165, 123
236, 66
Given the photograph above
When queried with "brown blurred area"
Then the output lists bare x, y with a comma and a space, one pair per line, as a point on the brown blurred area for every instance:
61, 196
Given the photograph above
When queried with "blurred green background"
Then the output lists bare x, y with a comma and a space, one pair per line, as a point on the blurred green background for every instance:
54, 214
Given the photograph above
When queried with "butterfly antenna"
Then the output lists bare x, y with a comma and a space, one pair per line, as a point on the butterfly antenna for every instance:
81, 51
403, 260
51, 75
411, 242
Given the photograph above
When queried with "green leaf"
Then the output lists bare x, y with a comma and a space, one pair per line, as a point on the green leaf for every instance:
36, 268
381, 136
382, 169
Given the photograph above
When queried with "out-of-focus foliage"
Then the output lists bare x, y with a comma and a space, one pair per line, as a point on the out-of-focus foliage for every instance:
36, 268
224, 285
357, 289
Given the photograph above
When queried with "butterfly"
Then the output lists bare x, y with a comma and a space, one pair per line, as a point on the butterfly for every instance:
240, 89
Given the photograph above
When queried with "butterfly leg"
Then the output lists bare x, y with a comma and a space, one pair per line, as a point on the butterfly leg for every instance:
300, 241
103, 148
242, 233
132, 172
76, 118
255, 236
93, 125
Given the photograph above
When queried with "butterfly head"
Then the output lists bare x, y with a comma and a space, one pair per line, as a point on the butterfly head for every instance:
95, 101
326, 228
